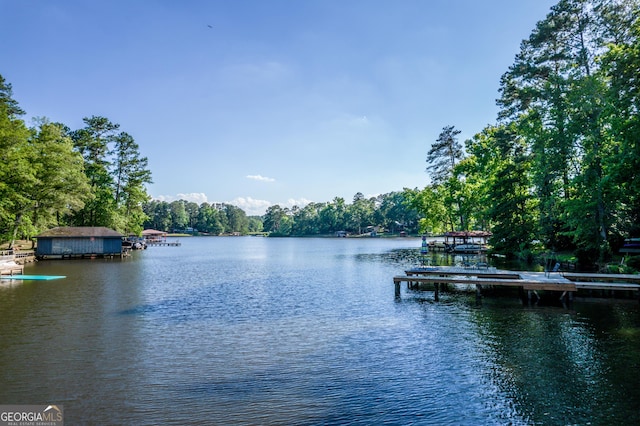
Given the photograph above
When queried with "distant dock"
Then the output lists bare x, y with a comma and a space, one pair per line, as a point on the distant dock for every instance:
566, 283
163, 243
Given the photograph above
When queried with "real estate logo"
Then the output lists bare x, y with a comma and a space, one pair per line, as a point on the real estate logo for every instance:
31, 415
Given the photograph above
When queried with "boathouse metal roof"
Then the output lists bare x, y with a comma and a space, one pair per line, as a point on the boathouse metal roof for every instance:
150, 232
79, 231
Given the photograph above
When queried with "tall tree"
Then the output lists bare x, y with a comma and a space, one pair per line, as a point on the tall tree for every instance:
513, 211
61, 186
117, 174
131, 174
621, 66
429, 202
16, 174
444, 155
274, 219
92, 142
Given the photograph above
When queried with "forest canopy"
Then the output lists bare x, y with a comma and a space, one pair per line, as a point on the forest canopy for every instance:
560, 167
51, 175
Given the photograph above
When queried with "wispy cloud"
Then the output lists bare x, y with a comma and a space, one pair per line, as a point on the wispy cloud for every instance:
251, 207
261, 178
195, 197
301, 202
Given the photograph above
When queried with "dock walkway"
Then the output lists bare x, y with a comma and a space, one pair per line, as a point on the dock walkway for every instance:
8, 264
531, 282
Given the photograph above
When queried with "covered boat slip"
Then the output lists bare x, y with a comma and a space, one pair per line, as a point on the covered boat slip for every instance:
567, 283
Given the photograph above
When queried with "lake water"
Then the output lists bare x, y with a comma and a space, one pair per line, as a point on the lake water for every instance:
251, 330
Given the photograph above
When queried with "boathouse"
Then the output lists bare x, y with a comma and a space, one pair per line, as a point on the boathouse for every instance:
154, 236
78, 241
466, 241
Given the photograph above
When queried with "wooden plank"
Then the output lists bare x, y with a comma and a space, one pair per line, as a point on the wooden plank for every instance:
533, 285
550, 286
581, 276
465, 272
590, 285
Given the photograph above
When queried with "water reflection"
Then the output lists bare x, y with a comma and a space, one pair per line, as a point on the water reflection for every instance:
304, 331
553, 365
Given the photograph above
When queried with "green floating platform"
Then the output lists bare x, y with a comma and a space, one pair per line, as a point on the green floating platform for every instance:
33, 277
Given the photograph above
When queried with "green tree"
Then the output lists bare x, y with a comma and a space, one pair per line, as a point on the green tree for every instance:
61, 186
360, 213
158, 215
395, 213
513, 211
131, 174
621, 67
209, 219
273, 219
16, 173
306, 220
93, 144
433, 211
117, 173
237, 219
255, 224
11, 106
444, 155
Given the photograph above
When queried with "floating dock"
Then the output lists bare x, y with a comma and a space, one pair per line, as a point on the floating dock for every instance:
564, 282
33, 277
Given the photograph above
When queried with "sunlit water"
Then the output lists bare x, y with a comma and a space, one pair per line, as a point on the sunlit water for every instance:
252, 330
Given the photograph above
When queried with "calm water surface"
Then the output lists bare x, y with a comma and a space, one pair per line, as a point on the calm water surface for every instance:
304, 331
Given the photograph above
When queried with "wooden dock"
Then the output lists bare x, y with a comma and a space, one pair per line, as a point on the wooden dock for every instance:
9, 264
11, 269
163, 243
531, 282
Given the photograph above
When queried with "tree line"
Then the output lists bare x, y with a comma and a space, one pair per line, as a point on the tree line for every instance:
561, 167
206, 218
389, 212
51, 175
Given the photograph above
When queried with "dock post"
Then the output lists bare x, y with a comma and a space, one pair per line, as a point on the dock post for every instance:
397, 285
529, 296
478, 291
437, 293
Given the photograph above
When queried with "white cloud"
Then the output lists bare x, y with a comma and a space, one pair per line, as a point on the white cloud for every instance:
261, 178
301, 202
251, 206
195, 197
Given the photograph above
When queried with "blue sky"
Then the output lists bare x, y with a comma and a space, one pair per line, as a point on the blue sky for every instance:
268, 102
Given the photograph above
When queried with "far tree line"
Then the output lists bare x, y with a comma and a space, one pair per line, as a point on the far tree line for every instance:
390, 213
